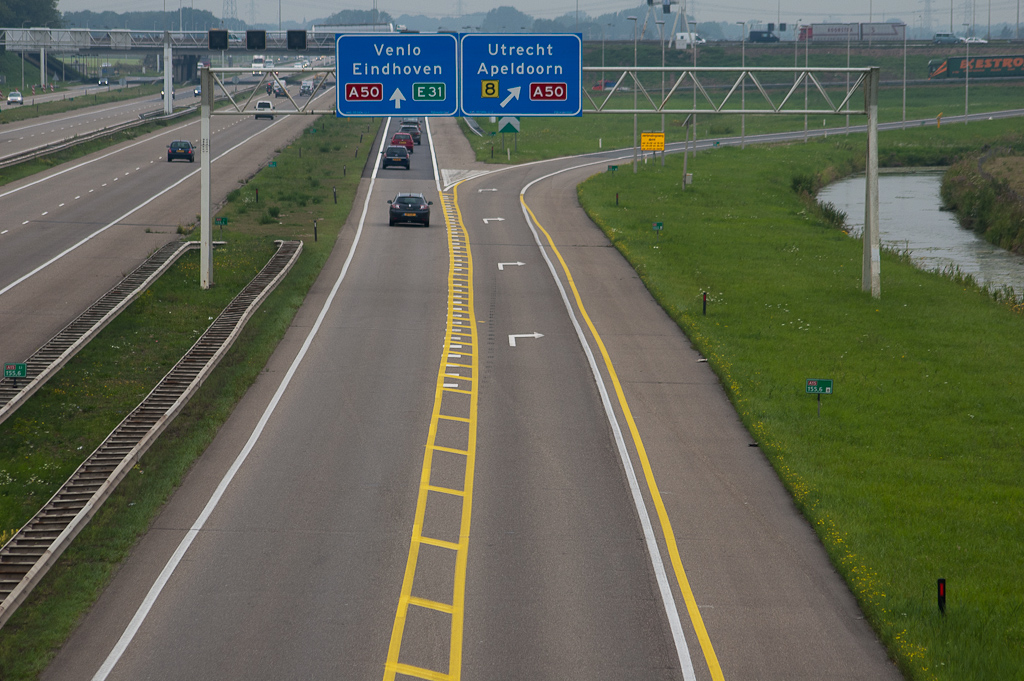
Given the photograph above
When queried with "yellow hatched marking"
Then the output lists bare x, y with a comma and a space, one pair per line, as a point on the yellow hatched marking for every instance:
445, 490
421, 673
448, 449
453, 418
460, 276
439, 543
431, 605
666, 525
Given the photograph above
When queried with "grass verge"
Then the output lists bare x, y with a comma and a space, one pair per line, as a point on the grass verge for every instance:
913, 471
99, 386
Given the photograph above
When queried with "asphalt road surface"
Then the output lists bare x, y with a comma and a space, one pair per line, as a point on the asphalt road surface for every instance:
462, 462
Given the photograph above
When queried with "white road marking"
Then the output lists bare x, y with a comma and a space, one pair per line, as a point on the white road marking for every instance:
501, 265
487, 221
512, 337
45, 212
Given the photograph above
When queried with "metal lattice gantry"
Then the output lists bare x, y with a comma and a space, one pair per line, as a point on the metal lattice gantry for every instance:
716, 90
322, 77
713, 90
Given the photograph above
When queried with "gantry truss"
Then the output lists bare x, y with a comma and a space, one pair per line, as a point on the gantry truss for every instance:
831, 96
723, 89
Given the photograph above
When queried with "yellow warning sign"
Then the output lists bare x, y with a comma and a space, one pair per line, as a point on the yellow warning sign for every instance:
652, 141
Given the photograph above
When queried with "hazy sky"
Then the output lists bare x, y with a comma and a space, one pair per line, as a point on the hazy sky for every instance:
911, 11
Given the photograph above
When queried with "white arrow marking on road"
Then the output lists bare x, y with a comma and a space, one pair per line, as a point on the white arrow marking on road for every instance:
501, 265
512, 337
485, 190
487, 221
513, 93
397, 97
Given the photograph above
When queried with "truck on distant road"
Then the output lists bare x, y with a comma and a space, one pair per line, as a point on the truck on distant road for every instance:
685, 41
981, 67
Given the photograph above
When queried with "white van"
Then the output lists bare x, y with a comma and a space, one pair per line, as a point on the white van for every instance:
306, 88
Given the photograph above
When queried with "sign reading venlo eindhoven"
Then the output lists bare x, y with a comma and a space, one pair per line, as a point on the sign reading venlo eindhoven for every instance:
521, 74
410, 74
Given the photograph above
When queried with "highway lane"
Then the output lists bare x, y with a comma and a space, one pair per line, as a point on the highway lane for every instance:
297, 572
28, 134
334, 481
112, 209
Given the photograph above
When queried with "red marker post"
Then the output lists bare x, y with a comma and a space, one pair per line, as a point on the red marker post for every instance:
942, 596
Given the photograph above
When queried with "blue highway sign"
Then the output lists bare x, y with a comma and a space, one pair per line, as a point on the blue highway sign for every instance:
406, 74
521, 74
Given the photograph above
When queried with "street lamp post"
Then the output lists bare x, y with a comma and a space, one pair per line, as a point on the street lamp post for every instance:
635, 79
807, 40
661, 28
743, 84
904, 77
967, 76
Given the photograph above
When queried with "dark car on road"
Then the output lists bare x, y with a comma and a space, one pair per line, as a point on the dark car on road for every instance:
409, 208
279, 91
395, 156
182, 149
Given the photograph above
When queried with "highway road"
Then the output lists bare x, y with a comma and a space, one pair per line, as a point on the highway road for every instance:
478, 453
21, 136
71, 233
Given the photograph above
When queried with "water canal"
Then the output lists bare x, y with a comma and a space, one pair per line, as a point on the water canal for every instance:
910, 219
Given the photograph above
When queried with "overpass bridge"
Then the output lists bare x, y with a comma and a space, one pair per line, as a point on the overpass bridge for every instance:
182, 50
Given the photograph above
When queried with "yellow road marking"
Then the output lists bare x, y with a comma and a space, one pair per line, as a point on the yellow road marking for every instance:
666, 525
456, 345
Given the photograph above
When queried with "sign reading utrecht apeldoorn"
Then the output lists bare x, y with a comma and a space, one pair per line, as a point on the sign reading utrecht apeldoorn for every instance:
521, 74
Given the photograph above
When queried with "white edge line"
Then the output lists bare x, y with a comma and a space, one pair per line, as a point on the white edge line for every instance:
671, 611
154, 592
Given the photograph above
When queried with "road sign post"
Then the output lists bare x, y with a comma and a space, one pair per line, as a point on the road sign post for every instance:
521, 74
407, 74
819, 387
14, 371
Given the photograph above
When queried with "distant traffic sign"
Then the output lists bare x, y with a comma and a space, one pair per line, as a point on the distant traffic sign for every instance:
819, 386
521, 74
414, 74
652, 141
15, 370
508, 124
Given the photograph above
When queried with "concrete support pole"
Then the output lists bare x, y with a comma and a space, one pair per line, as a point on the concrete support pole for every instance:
870, 275
42, 66
168, 84
205, 219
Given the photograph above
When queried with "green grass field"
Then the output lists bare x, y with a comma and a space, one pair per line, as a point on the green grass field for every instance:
913, 471
110, 376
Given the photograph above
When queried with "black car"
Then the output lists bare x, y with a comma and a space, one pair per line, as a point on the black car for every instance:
279, 91
409, 208
181, 149
413, 130
395, 156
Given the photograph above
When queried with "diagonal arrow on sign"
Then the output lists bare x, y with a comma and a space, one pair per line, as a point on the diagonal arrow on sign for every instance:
501, 265
513, 93
512, 337
397, 97
487, 221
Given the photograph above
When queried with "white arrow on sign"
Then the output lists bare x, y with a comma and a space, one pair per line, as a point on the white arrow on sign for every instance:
501, 265
490, 220
513, 93
512, 337
397, 97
